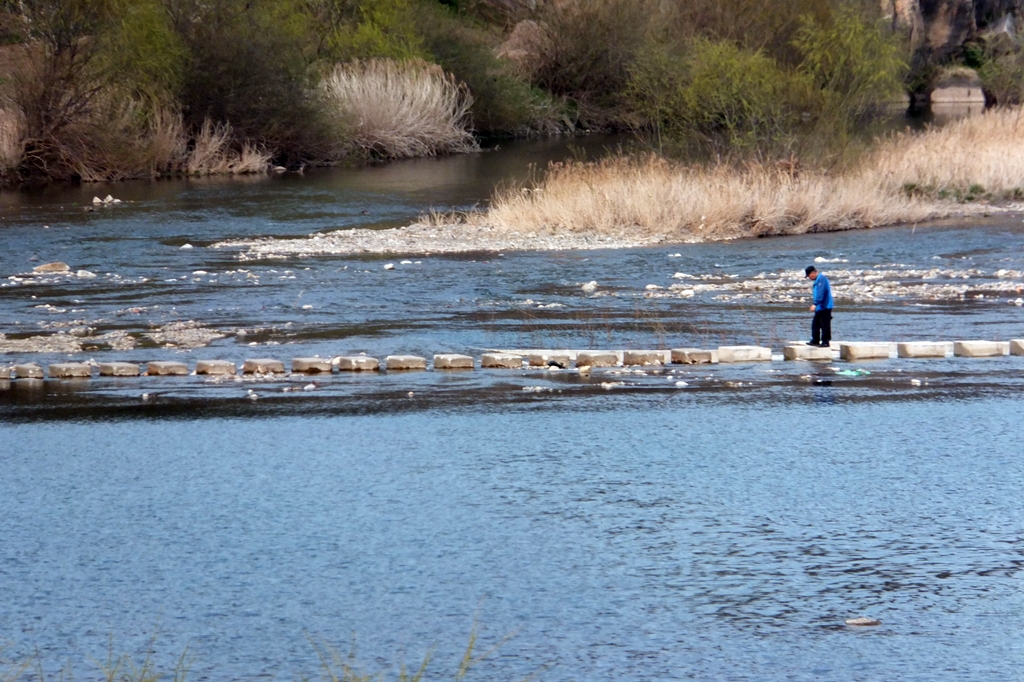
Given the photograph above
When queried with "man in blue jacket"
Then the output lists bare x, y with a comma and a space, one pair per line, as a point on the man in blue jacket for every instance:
821, 327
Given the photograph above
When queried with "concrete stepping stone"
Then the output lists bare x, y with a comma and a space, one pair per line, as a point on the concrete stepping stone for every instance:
215, 367
646, 358
453, 361
744, 354
312, 365
544, 358
501, 361
404, 363
358, 363
924, 349
979, 349
694, 356
28, 370
70, 370
805, 352
597, 358
863, 351
1017, 347
263, 366
161, 368
119, 369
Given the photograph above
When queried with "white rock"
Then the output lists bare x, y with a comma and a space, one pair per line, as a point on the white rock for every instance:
406, 262
108, 199
187, 246
389, 266
85, 274
653, 287
590, 287
97, 200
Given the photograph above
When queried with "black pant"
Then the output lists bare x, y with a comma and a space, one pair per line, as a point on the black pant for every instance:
821, 327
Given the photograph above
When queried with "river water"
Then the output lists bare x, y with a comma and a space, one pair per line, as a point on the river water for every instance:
691, 522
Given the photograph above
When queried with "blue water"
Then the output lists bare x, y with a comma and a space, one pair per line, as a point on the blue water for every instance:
623, 537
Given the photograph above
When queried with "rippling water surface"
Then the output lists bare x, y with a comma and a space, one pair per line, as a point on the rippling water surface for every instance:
690, 522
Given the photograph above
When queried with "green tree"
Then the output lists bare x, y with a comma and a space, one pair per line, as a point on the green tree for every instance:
855, 63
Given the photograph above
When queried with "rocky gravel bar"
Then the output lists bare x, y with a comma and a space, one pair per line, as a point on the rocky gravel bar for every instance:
423, 239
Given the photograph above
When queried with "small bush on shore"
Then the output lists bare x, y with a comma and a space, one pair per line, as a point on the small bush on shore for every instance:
396, 110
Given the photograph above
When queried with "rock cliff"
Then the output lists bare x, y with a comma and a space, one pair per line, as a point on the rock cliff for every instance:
939, 28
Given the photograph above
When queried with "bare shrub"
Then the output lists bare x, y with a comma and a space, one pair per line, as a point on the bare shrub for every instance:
209, 149
212, 153
399, 109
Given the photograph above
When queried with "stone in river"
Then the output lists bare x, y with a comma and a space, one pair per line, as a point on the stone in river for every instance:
56, 266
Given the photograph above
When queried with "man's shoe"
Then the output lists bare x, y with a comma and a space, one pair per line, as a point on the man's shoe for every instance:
813, 343
824, 345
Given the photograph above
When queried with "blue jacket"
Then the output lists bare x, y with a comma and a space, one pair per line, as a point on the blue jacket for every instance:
822, 293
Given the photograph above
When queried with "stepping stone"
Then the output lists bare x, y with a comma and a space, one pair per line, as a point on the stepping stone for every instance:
542, 359
978, 349
215, 367
119, 369
404, 362
597, 358
358, 363
70, 370
805, 352
263, 366
694, 356
1017, 347
863, 351
453, 361
27, 371
744, 354
501, 361
924, 349
646, 357
311, 365
156, 369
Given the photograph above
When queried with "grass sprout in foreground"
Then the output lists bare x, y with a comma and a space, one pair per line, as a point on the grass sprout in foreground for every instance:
333, 666
336, 667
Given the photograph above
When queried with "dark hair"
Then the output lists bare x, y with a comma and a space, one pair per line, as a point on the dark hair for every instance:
809, 270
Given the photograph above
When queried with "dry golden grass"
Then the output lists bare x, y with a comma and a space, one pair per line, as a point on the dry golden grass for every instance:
399, 109
906, 178
686, 203
985, 152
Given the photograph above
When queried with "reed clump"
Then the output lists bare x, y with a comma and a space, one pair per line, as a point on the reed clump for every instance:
664, 200
981, 157
393, 109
